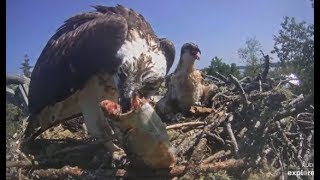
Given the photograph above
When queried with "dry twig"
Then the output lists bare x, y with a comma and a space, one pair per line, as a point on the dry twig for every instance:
240, 89
180, 125
218, 155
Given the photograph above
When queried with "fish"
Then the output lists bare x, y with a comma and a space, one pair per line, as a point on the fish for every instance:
145, 133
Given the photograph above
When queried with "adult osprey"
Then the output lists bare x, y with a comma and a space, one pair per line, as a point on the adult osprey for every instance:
111, 53
186, 86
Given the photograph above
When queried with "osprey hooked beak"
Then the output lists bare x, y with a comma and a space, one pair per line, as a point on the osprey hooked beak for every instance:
195, 51
196, 54
125, 100
137, 80
190, 51
128, 95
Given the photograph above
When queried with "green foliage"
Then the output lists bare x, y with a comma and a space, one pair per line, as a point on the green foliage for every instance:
25, 66
294, 46
13, 113
217, 65
251, 55
13, 116
234, 70
276, 73
279, 72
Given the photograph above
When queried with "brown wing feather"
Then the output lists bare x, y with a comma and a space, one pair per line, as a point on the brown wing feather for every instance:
134, 19
169, 51
86, 44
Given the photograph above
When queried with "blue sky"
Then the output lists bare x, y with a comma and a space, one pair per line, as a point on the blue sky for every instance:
219, 27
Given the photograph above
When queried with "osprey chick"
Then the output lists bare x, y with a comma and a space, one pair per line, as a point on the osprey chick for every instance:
186, 87
111, 53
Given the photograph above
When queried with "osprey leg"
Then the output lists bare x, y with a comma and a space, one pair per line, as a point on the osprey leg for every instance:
97, 125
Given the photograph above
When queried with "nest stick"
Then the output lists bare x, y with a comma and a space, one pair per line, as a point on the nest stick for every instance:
218, 155
180, 170
240, 89
18, 164
214, 136
81, 147
289, 143
231, 134
180, 125
220, 76
195, 159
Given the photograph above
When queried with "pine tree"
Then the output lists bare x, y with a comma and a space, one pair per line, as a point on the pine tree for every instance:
217, 65
25, 66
